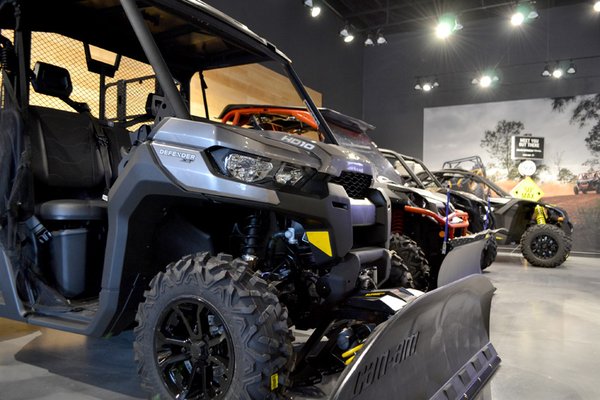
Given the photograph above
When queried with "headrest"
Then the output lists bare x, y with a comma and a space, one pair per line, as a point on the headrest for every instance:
51, 80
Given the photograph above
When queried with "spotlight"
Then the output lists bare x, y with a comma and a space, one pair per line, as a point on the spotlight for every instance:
517, 18
315, 9
426, 85
381, 39
347, 34
485, 80
523, 13
443, 30
558, 73
571, 70
369, 40
446, 26
546, 72
597, 6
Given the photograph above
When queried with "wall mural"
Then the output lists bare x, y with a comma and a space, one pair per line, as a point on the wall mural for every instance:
568, 174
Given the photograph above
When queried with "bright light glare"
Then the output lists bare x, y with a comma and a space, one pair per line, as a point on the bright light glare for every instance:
597, 6
349, 38
485, 81
557, 73
315, 11
517, 18
427, 87
443, 30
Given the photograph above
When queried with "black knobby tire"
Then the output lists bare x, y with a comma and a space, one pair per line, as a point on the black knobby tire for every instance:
545, 245
575, 190
208, 319
413, 258
490, 250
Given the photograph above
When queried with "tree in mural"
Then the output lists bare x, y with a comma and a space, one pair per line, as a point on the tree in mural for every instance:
557, 160
592, 164
565, 175
497, 144
587, 112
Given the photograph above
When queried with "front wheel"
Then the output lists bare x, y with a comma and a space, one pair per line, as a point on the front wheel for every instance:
545, 245
412, 257
209, 329
575, 190
490, 250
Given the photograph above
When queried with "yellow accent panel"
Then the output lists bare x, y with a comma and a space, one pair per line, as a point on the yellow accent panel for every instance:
320, 239
274, 381
377, 294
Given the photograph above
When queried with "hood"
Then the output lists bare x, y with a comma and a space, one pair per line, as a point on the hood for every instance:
434, 198
326, 158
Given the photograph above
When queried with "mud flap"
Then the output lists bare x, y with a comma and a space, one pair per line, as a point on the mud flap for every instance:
435, 347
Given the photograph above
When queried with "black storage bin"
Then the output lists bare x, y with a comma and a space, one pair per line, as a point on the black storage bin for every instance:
68, 260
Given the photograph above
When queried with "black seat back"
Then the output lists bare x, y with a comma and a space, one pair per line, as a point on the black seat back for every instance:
67, 161
65, 158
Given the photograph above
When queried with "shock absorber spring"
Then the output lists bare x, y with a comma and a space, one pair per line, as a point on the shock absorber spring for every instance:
397, 220
251, 236
540, 215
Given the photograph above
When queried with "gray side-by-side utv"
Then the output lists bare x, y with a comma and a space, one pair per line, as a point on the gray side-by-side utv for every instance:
425, 226
211, 242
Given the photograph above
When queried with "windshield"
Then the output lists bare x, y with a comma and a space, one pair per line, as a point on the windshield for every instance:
221, 95
361, 142
471, 183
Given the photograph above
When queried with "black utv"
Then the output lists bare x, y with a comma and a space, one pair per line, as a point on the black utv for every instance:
416, 174
124, 206
542, 231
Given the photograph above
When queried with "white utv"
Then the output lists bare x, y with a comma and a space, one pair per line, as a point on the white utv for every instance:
209, 241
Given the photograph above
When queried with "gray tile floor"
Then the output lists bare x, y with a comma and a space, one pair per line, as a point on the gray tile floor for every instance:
545, 325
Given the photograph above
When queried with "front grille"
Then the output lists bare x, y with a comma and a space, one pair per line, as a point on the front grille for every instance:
356, 184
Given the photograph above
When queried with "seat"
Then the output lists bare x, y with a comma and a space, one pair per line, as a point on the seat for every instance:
72, 210
66, 162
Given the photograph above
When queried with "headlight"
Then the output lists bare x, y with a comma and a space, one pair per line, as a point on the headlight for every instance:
289, 174
247, 168
250, 168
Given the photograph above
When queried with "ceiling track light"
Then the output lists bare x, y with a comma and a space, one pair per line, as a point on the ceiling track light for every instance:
381, 39
315, 9
546, 72
369, 40
524, 11
426, 84
597, 6
485, 80
558, 70
446, 26
346, 34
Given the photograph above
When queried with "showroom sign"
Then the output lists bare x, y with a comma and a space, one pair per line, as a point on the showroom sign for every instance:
527, 147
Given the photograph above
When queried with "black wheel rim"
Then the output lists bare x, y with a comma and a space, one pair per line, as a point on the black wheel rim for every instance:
544, 246
193, 350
